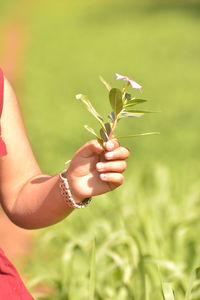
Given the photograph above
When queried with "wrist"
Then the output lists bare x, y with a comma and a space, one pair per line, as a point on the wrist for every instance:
71, 199
78, 198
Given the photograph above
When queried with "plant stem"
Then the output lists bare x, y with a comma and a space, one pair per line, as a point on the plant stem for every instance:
112, 129
124, 90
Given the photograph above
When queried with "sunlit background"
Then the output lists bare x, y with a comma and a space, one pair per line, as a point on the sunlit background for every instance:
53, 50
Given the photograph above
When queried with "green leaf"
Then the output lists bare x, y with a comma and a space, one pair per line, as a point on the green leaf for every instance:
125, 114
108, 128
107, 85
115, 97
128, 96
167, 291
103, 135
137, 135
91, 130
134, 101
90, 108
101, 142
111, 116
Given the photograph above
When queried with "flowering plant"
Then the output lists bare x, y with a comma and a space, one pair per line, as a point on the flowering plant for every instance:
122, 104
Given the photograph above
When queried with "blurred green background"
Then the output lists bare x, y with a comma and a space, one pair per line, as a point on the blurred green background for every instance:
66, 46
71, 43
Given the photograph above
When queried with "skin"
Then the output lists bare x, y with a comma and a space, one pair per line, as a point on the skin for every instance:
32, 199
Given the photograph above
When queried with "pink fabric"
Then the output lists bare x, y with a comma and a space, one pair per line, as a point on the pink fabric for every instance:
11, 285
2, 144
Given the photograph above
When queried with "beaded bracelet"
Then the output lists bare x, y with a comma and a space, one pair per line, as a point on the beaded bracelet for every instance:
67, 195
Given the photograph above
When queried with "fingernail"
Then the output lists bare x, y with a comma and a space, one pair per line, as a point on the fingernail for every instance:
110, 145
99, 166
109, 154
103, 176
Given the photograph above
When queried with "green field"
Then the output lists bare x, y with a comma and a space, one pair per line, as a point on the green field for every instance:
141, 241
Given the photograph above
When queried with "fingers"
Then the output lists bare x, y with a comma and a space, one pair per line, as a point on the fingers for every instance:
112, 169
112, 166
116, 178
119, 153
111, 145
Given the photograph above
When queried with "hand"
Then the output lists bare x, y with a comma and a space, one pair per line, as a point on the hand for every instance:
95, 170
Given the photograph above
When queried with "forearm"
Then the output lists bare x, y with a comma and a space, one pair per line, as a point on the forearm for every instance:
30, 199
39, 203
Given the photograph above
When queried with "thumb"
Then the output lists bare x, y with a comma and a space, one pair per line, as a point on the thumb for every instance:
85, 159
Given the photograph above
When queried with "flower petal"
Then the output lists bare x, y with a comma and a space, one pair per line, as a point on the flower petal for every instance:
134, 84
118, 76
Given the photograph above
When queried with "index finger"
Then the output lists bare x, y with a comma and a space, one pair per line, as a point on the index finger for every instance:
112, 145
119, 153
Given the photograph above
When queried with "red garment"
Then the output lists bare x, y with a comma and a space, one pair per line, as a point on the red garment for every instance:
11, 285
2, 144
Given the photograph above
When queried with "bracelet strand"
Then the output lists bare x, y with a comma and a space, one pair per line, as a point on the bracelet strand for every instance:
67, 195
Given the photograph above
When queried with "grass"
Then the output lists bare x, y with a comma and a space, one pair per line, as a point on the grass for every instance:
141, 241
138, 243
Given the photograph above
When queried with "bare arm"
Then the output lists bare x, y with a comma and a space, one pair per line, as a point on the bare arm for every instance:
32, 199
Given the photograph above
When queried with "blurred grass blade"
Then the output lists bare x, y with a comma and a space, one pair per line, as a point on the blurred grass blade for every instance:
188, 294
107, 85
147, 292
167, 291
92, 273
195, 275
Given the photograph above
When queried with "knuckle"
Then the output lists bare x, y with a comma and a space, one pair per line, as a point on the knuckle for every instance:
116, 142
124, 165
95, 145
121, 179
91, 142
90, 145
125, 153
